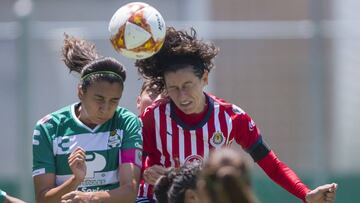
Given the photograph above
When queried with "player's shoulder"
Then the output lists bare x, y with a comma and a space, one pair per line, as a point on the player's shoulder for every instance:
227, 106
124, 112
124, 115
56, 117
157, 104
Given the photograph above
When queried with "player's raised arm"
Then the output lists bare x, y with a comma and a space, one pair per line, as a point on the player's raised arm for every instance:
45, 187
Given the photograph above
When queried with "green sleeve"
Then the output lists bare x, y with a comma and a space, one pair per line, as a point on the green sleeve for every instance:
43, 158
132, 134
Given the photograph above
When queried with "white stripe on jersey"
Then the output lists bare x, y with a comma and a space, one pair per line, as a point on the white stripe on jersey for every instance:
88, 141
206, 141
193, 142
169, 135
146, 190
158, 138
229, 127
181, 146
100, 178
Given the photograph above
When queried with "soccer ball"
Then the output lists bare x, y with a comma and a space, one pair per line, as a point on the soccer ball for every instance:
137, 30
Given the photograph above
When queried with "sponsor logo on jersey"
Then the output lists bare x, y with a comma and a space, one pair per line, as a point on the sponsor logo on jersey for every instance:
94, 162
64, 144
138, 157
217, 139
251, 125
194, 158
36, 138
237, 110
114, 139
84, 189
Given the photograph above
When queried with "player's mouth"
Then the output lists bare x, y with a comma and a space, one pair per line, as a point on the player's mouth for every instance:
185, 106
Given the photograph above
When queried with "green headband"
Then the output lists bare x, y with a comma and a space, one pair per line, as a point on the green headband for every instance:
101, 72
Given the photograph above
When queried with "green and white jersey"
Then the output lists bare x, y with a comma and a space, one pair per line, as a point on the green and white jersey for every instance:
59, 133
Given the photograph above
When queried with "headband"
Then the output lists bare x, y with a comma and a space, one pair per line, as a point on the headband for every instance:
101, 72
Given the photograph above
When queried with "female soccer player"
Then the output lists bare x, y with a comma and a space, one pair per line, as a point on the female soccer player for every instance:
89, 151
147, 95
225, 179
178, 185
190, 123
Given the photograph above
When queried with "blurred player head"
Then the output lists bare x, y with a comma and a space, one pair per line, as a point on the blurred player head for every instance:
181, 68
178, 185
225, 179
102, 80
147, 95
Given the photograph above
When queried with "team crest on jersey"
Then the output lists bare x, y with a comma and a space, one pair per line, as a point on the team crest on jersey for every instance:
194, 158
114, 139
218, 139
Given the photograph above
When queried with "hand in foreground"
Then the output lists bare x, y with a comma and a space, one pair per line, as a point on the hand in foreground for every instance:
322, 194
79, 197
153, 173
77, 163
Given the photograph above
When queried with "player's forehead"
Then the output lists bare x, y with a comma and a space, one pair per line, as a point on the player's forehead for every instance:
105, 89
180, 76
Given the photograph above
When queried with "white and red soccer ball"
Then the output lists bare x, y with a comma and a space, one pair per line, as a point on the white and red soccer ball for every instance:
137, 30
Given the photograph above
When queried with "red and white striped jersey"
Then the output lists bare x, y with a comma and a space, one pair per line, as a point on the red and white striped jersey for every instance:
171, 142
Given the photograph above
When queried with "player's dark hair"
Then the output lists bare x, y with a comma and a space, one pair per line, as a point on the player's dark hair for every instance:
81, 56
179, 50
226, 179
163, 184
171, 188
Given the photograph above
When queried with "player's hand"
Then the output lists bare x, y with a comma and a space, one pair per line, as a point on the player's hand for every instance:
152, 174
322, 194
77, 163
79, 197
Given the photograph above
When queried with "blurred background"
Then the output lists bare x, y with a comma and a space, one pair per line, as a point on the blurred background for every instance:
292, 65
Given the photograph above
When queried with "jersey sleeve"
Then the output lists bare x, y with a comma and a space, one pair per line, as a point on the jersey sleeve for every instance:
281, 174
132, 134
132, 143
43, 159
248, 136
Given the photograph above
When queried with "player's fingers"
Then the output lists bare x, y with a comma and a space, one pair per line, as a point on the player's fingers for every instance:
76, 156
150, 176
333, 187
330, 196
77, 161
324, 188
68, 196
159, 169
77, 153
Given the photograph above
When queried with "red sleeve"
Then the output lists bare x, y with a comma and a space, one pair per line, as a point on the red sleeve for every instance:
247, 134
283, 175
151, 154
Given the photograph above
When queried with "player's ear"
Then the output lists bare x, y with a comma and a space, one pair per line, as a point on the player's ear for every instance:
205, 77
138, 100
80, 92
